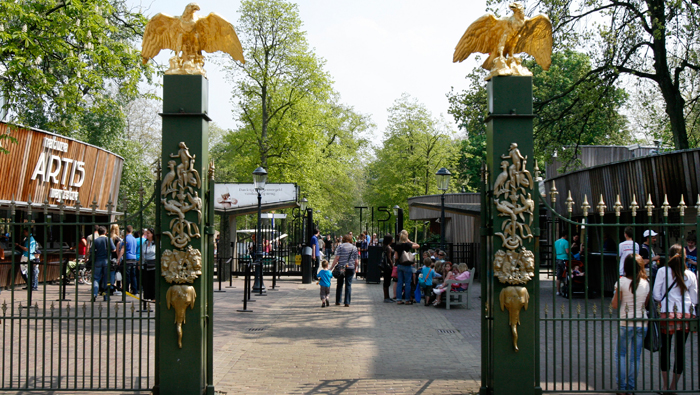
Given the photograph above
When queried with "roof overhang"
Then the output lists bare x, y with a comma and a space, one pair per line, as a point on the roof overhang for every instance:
471, 209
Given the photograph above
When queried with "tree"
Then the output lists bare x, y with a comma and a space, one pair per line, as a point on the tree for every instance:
415, 146
588, 114
653, 40
60, 59
291, 120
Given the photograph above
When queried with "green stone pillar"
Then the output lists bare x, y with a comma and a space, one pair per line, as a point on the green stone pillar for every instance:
511, 268
184, 275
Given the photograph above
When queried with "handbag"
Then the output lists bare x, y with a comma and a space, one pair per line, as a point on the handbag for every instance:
338, 271
406, 258
652, 339
395, 272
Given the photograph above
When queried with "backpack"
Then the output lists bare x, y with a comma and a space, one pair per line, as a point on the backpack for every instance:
422, 281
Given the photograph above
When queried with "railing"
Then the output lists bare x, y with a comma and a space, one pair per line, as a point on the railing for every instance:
60, 337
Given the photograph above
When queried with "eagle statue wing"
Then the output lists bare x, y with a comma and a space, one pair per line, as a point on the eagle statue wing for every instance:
535, 38
161, 33
479, 37
216, 34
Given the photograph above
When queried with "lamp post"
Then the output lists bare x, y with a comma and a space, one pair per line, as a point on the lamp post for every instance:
303, 204
443, 183
259, 181
396, 209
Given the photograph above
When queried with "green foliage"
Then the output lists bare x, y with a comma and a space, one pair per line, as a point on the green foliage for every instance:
291, 121
655, 41
415, 146
568, 114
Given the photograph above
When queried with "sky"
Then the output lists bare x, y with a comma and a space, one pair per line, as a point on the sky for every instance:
375, 50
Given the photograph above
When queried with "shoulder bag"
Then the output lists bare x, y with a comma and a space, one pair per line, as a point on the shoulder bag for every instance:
422, 280
652, 339
339, 270
406, 258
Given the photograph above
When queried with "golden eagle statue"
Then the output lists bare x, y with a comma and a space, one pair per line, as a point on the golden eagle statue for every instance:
188, 35
503, 38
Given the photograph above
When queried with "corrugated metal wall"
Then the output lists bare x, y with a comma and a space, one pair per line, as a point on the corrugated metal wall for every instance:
596, 155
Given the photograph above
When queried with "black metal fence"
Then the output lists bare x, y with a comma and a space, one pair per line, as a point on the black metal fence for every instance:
56, 334
468, 253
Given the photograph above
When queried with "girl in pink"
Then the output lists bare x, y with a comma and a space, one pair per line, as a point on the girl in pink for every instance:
462, 276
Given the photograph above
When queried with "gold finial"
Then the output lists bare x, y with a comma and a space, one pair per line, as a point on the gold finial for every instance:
538, 177
697, 206
531, 35
665, 206
675, 308
553, 193
578, 308
211, 34
627, 310
570, 203
546, 309
617, 206
650, 206
634, 206
610, 308
682, 206
595, 310
585, 206
561, 309
601, 206
29, 205
45, 206
212, 169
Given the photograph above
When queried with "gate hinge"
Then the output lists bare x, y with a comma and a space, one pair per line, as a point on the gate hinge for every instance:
209, 230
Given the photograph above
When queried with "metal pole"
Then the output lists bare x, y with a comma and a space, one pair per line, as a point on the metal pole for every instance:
442, 222
230, 268
219, 273
258, 284
246, 290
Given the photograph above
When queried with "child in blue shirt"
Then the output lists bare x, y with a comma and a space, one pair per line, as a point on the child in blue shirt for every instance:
427, 274
324, 279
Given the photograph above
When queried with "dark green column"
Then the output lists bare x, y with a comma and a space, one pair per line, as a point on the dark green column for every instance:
509, 126
185, 214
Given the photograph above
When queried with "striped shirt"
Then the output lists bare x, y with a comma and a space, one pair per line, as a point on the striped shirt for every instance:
347, 255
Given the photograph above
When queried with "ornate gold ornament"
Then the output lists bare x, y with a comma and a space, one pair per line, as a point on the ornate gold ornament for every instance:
180, 297
513, 199
178, 184
188, 35
514, 299
181, 267
502, 38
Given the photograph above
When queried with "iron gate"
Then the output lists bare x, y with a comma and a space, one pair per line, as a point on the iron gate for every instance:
58, 337
579, 338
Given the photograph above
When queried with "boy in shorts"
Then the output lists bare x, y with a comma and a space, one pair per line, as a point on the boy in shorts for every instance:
324, 279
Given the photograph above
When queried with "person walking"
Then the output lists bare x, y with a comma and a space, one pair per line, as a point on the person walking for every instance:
315, 255
347, 257
387, 266
691, 253
630, 299
561, 248
404, 267
676, 289
324, 280
129, 251
629, 246
148, 273
364, 254
101, 248
116, 265
27, 259
328, 245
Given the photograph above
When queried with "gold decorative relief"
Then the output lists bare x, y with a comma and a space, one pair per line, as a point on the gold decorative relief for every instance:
513, 199
514, 299
180, 297
181, 267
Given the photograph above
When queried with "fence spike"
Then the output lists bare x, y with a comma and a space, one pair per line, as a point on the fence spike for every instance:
562, 310
650, 206
682, 206
617, 206
585, 206
36, 307
45, 206
62, 206
4, 307
595, 310
546, 309
212, 169
610, 308
697, 207
29, 205
13, 204
141, 193
601, 206
537, 172
578, 308
132, 308
634, 206
94, 204
110, 204
553, 192
570, 203
665, 206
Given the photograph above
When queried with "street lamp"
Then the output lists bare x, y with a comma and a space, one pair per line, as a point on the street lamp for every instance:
259, 181
396, 209
443, 183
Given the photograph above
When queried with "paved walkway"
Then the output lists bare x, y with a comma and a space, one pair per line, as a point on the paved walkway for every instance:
289, 344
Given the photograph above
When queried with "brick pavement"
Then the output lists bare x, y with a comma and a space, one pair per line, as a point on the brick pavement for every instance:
369, 347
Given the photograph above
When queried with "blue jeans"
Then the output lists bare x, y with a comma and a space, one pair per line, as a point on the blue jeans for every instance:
35, 276
131, 278
629, 348
347, 279
405, 275
100, 271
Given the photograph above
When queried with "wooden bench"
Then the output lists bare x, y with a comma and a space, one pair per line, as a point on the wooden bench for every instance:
456, 298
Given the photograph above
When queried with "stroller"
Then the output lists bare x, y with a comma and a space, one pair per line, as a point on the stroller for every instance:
577, 278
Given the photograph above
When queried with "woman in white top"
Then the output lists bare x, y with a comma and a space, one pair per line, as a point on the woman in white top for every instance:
676, 288
630, 298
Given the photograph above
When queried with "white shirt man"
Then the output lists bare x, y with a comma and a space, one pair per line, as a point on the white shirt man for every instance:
627, 247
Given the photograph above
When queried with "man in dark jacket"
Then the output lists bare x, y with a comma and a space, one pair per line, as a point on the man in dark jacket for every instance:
102, 246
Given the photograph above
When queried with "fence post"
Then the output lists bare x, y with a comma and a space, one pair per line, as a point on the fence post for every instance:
512, 301
185, 270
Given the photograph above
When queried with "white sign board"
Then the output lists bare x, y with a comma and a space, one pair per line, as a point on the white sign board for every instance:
234, 196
